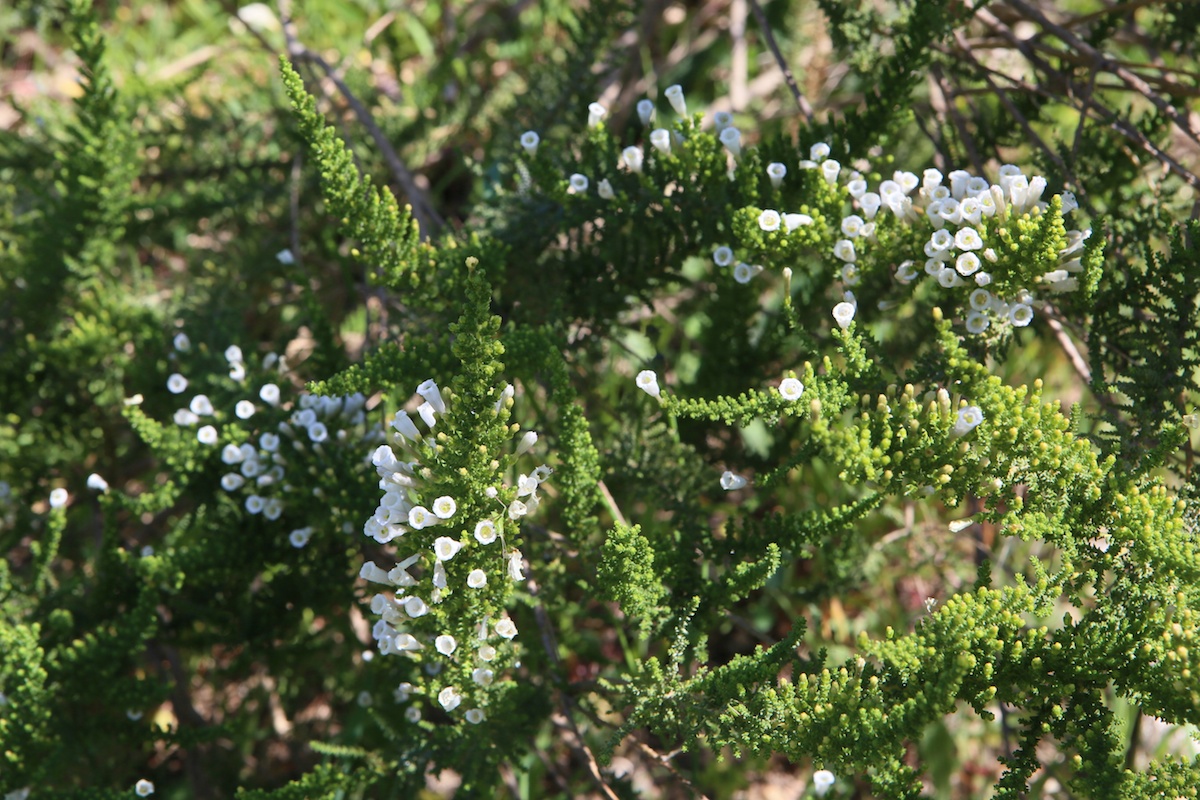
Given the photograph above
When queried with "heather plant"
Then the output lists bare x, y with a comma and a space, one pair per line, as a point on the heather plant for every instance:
661, 444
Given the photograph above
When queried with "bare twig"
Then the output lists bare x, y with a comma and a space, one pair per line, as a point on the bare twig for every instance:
566, 702
801, 102
427, 217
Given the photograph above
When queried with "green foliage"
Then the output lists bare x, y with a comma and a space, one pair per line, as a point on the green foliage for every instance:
839, 520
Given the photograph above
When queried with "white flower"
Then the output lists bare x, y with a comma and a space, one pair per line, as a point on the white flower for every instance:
791, 389
645, 110
58, 498
449, 698
793, 221
485, 531
143, 788
300, 537
255, 504
647, 381
948, 278
233, 354
445, 548
967, 420
723, 256
830, 170
776, 172
674, 95
432, 394
269, 394
906, 272
870, 203
477, 579
967, 264
968, 239
474, 716
419, 517
232, 481
843, 314
769, 220
977, 322
415, 606
201, 406
605, 190
732, 139
176, 384
822, 781
444, 507
269, 442
207, 435
844, 249
96, 482
482, 675
940, 240
506, 628
596, 114
185, 417
526, 485
1021, 314
182, 342
633, 158
721, 121
273, 508
285, 257
857, 188
818, 152
486, 652
445, 644
577, 183
744, 273
529, 141
244, 409
731, 482
852, 225
660, 139
517, 509
514, 566
404, 425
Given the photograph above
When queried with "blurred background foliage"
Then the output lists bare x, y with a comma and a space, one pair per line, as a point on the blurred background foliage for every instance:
191, 202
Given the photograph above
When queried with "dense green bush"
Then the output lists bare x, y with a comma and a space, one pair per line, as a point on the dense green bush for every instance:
643, 448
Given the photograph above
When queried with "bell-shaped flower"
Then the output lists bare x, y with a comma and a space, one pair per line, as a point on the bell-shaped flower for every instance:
823, 780
843, 314
660, 140
506, 628
674, 95
977, 322
647, 381
605, 190
269, 393
830, 170
790, 389
445, 644
485, 652
731, 482
432, 394
721, 121
967, 264
819, 152
371, 572
517, 509
967, 420
844, 249
399, 574
299, 537
201, 405
419, 517
514, 566
244, 409
793, 221
476, 579
445, 548
769, 220
428, 414
483, 676
444, 507
207, 435
645, 111
577, 183
596, 114
633, 158
529, 141
723, 256
776, 172
415, 606
968, 239
1020, 315
449, 698
732, 139
744, 273
870, 202
907, 272
485, 531
176, 384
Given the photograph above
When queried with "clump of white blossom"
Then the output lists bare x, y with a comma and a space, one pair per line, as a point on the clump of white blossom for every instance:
441, 545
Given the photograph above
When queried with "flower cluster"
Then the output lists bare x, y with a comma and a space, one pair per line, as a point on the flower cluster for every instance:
268, 435
446, 548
